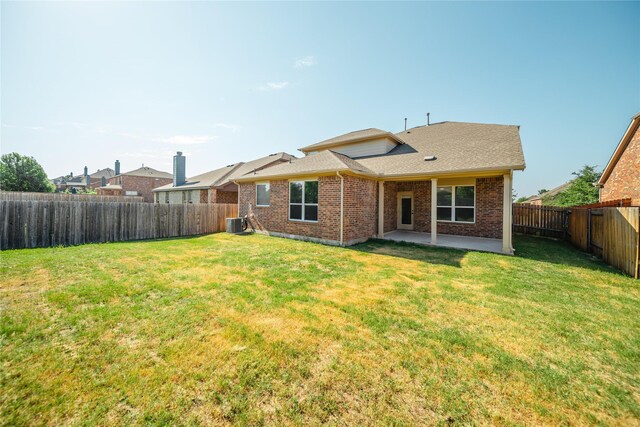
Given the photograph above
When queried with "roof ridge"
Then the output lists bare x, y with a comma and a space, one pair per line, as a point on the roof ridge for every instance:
222, 178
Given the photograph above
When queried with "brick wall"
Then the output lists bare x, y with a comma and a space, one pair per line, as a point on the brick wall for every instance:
360, 209
275, 218
624, 181
489, 198
142, 184
218, 196
489, 194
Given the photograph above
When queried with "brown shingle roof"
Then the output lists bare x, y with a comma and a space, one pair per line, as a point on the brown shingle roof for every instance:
458, 147
321, 162
354, 136
227, 174
147, 171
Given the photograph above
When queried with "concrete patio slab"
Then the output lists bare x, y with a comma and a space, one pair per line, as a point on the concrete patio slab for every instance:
447, 240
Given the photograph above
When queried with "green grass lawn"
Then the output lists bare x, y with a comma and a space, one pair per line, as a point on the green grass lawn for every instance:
258, 330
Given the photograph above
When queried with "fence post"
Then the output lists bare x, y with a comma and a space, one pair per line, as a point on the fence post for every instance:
589, 230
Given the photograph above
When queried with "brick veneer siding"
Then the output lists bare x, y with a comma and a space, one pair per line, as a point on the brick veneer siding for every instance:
489, 200
142, 184
489, 194
624, 181
275, 217
218, 196
360, 209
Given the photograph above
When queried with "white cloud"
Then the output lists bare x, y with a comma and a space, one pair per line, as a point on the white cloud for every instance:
307, 61
231, 127
187, 139
274, 86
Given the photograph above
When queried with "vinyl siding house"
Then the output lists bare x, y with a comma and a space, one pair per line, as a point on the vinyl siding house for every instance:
445, 184
621, 177
216, 186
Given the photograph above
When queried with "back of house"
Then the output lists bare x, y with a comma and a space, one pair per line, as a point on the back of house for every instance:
448, 178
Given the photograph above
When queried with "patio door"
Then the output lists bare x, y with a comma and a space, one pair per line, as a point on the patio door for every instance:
405, 210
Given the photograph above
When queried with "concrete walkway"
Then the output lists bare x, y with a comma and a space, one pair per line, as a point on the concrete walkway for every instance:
447, 240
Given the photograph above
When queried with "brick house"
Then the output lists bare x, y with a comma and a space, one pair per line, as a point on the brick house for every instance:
445, 184
138, 182
621, 177
216, 186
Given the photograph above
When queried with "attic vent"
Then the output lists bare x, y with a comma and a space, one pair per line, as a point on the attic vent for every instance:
429, 158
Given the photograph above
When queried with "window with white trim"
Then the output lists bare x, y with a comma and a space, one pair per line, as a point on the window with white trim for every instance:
303, 201
457, 203
263, 194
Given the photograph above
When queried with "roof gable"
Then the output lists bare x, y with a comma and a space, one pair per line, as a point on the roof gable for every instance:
634, 126
351, 138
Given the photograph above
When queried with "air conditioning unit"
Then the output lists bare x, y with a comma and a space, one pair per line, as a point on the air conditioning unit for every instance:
234, 225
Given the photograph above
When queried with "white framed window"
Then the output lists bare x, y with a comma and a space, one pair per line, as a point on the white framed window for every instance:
303, 201
263, 194
457, 203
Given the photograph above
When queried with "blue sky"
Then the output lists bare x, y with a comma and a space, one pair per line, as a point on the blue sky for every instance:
89, 83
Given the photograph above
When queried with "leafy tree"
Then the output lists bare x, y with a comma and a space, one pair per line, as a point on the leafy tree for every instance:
23, 173
582, 190
521, 199
542, 191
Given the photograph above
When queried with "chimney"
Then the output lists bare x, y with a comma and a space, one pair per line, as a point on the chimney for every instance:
87, 178
179, 169
86, 171
117, 167
103, 181
71, 174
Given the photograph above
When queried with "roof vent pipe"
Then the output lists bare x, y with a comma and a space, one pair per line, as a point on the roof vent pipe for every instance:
405, 123
428, 119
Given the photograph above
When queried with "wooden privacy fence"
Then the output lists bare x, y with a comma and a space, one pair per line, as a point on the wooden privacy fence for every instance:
612, 233
18, 195
547, 221
31, 224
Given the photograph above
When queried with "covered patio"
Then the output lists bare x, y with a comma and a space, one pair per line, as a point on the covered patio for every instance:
466, 212
446, 240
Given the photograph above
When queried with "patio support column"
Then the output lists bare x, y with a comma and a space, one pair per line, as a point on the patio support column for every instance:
506, 214
434, 211
381, 209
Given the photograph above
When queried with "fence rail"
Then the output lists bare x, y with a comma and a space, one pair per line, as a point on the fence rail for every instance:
612, 233
42, 197
31, 224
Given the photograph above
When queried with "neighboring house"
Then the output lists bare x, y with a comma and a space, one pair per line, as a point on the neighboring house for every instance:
539, 199
216, 186
99, 177
621, 177
94, 180
138, 182
444, 179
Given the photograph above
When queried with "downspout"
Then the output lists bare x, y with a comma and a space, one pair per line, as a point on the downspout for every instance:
341, 207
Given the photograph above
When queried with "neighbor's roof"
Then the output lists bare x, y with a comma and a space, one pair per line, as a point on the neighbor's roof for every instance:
458, 147
225, 175
112, 187
622, 145
150, 172
356, 136
106, 172
202, 181
551, 193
